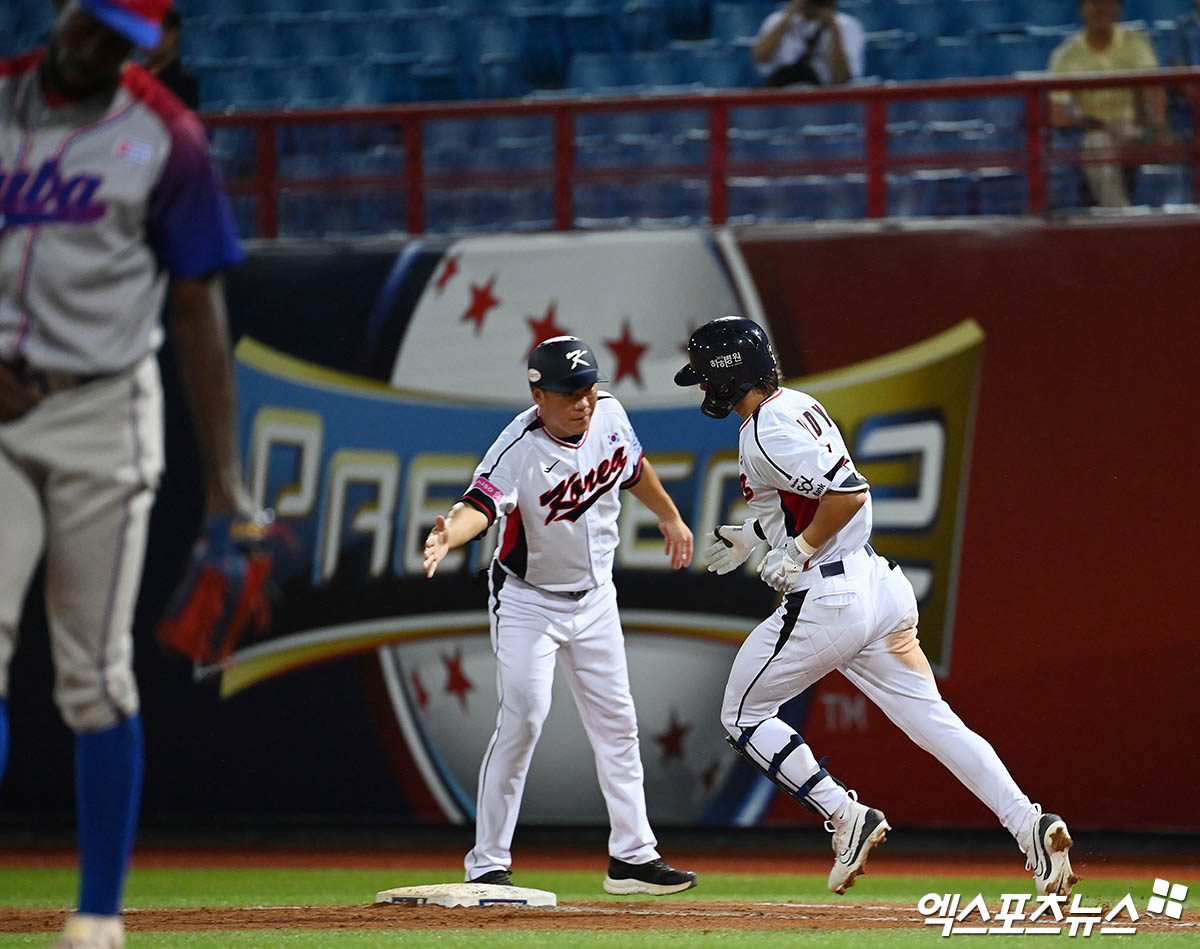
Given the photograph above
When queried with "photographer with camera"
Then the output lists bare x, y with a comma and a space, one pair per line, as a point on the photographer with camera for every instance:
809, 41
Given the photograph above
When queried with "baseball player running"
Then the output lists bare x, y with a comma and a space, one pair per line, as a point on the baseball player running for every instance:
108, 198
552, 478
844, 607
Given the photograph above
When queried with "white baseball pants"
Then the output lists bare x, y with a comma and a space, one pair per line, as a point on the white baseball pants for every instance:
861, 622
532, 631
78, 474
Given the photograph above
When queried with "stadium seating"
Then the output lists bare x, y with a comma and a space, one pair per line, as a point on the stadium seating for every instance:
321, 54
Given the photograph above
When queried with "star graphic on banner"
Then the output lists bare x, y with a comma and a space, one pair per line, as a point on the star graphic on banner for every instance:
545, 328
628, 351
419, 690
671, 740
456, 681
448, 271
481, 301
708, 777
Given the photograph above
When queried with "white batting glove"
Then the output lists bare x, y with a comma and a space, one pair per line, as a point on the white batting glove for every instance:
731, 546
778, 569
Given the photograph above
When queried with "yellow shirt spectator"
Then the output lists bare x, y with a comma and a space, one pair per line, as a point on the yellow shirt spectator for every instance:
1130, 49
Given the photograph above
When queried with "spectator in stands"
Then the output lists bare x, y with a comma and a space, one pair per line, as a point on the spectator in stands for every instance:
809, 41
1109, 118
1187, 39
1185, 51
164, 62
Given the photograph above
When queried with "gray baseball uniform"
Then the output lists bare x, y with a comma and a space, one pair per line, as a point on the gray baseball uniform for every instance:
100, 202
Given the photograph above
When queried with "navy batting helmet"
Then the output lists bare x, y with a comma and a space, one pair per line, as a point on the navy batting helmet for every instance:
731, 355
563, 364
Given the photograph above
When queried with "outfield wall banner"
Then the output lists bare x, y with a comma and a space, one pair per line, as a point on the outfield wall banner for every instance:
359, 468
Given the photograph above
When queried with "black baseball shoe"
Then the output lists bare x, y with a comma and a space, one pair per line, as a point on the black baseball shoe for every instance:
495, 878
656, 878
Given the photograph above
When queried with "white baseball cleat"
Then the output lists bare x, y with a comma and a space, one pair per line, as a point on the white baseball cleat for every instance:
854, 834
88, 931
1048, 854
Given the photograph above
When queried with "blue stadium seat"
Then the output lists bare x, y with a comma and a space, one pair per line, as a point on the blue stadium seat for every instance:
974, 16
207, 39
719, 67
1002, 191
731, 21
748, 199
829, 142
590, 27
1007, 53
437, 82
371, 34
688, 19
391, 78
543, 47
1004, 112
493, 34
245, 210
1159, 185
313, 36
874, 15
312, 85
358, 88
659, 68
429, 34
597, 72
1046, 12
1150, 10
929, 194
223, 85
643, 25
920, 17
949, 57
500, 77
889, 55
257, 38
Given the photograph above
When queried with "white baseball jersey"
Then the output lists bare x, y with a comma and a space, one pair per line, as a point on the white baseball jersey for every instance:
100, 200
790, 453
558, 501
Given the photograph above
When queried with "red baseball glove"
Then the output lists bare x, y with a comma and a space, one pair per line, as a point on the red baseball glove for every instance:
225, 592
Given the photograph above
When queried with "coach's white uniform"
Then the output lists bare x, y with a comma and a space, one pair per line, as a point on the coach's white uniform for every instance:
849, 610
552, 597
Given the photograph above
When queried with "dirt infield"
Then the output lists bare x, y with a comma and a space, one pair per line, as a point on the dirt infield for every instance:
575, 916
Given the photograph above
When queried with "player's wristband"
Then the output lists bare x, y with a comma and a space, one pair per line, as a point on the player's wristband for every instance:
803, 548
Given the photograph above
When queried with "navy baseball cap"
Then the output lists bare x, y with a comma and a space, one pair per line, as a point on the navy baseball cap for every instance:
139, 21
563, 364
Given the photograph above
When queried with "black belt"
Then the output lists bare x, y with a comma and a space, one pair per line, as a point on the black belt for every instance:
835, 568
566, 594
49, 381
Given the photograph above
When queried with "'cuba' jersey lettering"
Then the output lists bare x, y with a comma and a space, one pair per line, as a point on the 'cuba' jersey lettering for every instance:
790, 453
558, 502
123, 186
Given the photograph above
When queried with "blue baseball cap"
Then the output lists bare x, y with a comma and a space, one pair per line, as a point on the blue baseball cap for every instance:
139, 21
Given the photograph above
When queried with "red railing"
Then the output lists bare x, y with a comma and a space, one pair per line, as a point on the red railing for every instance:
875, 161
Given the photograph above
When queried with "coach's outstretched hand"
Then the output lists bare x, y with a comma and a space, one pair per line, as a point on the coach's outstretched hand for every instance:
679, 541
437, 545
